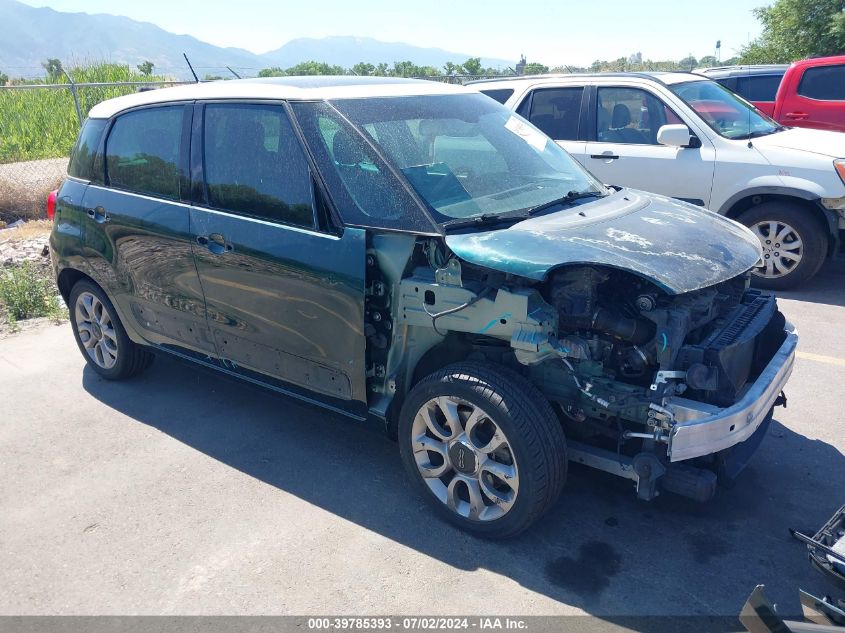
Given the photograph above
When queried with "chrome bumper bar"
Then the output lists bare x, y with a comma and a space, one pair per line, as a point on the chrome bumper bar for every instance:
703, 429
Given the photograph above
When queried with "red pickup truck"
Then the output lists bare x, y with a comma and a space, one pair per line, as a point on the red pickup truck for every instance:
807, 93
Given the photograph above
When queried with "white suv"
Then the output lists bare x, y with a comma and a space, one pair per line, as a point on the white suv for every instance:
687, 137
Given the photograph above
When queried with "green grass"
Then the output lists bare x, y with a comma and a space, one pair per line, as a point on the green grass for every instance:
28, 291
42, 122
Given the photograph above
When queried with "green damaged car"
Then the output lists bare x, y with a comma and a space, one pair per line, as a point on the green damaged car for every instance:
415, 252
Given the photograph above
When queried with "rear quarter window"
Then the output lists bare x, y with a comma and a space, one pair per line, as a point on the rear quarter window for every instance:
142, 151
823, 83
499, 94
82, 157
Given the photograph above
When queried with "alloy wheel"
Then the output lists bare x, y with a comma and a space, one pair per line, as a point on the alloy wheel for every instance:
465, 459
96, 330
783, 249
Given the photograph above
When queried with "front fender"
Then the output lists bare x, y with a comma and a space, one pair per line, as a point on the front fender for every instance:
770, 188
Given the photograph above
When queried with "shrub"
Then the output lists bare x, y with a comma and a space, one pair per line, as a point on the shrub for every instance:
28, 291
42, 122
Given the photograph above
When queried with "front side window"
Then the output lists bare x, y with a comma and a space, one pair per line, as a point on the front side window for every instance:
631, 116
557, 112
254, 164
824, 83
142, 151
727, 114
464, 154
362, 186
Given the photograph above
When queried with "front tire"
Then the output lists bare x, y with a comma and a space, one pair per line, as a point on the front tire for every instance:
794, 244
484, 446
101, 336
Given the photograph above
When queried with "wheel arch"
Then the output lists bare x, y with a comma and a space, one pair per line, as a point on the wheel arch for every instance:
69, 277
742, 202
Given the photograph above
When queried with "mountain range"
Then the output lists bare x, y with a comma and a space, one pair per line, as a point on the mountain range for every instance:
31, 35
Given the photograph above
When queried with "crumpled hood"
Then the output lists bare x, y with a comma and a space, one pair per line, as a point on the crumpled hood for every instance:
675, 245
824, 142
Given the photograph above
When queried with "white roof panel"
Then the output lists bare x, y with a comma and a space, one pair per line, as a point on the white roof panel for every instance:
293, 88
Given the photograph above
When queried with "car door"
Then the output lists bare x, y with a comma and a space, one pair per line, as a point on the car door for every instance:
560, 112
623, 150
284, 296
819, 100
138, 224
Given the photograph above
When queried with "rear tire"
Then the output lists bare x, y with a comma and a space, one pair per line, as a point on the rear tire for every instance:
484, 446
794, 244
101, 336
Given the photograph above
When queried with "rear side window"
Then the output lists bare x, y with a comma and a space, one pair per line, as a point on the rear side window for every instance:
254, 164
142, 152
758, 87
82, 158
557, 111
824, 83
499, 94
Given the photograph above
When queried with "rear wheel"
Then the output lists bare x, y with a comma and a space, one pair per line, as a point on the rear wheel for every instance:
484, 446
794, 244
101, 337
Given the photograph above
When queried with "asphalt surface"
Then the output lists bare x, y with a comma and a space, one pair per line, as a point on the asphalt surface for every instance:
187, 492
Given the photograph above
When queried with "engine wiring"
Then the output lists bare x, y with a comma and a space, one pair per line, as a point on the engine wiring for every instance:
436, 315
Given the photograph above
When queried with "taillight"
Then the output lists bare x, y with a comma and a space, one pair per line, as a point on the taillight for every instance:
51, 204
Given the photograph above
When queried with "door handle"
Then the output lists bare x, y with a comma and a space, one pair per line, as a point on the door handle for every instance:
215, 243
605, 156
98, 214
797, 115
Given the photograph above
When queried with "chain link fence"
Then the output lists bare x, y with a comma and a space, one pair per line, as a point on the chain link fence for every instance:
38, 126
39, 123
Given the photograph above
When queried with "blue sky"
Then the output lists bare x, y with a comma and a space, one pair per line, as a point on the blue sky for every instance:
551, 32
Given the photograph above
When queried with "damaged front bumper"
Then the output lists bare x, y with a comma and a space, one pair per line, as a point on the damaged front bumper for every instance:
702, 429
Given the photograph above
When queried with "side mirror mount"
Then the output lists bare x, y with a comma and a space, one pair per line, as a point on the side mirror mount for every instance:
676, 135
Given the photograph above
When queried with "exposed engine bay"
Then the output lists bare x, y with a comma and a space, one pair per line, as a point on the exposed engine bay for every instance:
629, 367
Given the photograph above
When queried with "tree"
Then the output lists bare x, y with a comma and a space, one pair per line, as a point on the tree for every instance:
273, 71
315, 68
54, 69
707, 61
450, 68
795, 29
381, 70
472, 66
405, 69
536, 69
146, 68
363, 69
4, 78
688, 63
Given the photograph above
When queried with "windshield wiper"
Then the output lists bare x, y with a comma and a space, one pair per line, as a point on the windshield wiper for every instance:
759, 133
485, 219
569, 198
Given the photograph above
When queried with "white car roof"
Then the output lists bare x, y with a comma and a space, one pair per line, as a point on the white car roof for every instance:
291, 88
668, 78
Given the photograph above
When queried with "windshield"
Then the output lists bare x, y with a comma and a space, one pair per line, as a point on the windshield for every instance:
465, 155
725, 112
